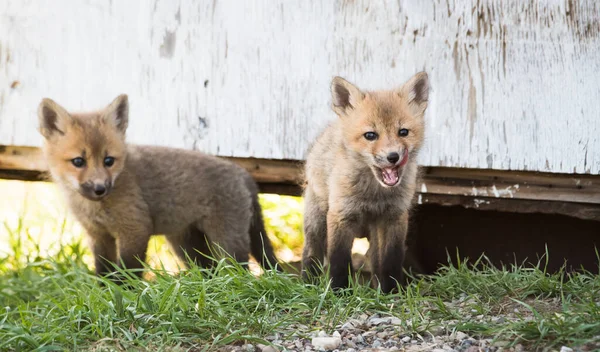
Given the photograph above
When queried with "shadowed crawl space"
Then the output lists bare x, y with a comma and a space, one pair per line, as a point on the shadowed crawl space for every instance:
436, 231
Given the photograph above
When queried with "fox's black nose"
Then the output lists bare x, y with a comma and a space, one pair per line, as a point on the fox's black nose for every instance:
393, 157
99, 190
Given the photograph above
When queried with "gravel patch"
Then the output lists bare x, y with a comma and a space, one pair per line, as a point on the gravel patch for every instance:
387, 333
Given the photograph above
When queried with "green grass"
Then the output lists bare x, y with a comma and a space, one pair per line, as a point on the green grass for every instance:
50, 300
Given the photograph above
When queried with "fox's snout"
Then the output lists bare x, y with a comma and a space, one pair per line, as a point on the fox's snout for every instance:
95, 190
392, 158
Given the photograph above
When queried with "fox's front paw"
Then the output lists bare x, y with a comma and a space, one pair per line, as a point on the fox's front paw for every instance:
339, 282
390, 284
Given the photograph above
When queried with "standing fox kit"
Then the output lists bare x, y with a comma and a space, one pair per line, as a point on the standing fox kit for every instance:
122, 194
361, 177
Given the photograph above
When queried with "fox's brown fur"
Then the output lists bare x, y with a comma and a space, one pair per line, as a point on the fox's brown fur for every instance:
195, 199
357, 187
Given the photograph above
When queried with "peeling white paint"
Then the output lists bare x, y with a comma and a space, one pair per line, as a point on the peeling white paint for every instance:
495, 190
515, 85
478, 202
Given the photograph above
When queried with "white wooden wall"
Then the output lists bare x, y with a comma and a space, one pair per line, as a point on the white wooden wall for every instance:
516, 83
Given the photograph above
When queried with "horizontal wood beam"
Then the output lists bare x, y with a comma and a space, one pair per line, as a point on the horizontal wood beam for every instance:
525, 192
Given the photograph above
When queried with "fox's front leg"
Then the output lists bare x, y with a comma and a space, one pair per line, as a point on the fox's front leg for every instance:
391, 240
315, 238
340, 236
104, 249
133, 234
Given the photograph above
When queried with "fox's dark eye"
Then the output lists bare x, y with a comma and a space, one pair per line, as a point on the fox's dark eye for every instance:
370, 136
78, 162
109, 161
403, 132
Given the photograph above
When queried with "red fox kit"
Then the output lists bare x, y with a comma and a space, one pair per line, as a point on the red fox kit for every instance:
122, 194
360, 180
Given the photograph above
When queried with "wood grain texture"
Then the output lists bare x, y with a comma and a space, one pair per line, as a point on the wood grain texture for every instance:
509, 191
515, 84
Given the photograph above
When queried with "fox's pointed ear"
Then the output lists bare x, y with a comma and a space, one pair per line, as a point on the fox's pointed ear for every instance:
344, 95
416, 92
117, 113
53, 118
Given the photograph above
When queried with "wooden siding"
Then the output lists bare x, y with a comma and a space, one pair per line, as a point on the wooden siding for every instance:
515, 84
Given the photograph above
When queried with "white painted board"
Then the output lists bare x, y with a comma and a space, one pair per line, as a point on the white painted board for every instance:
515, 84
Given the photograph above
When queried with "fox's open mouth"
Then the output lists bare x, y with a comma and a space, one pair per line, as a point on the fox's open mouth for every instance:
391, 175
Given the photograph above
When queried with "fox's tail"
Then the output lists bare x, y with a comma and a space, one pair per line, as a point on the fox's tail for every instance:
260, 245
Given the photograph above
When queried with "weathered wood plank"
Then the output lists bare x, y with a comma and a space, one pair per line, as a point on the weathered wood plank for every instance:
515, 83
524, 192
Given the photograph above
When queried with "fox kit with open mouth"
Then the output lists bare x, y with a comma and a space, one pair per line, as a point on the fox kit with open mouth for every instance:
122, 194
360, 180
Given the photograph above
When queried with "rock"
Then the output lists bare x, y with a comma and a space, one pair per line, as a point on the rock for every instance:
472, 349
298, 343
327, 343
438, 350
406, 339
376, 344
369, 333
460, 335
350, 350
321, 334
348, 326
566, 349
379, 321
336, 334
395, 321
249, 347
501, 343
498, 320
268, 349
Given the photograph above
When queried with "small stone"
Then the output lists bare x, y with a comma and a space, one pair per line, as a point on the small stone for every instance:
468, 342
438, 350
460, 335
379, 321
358, 339
498, 320
566, 349
472, 349
269, 349
394, 348
376, 344
321, 334
369, 333
406, 339
350, 350
249, 347
348, 326
501, 343
395, 321
336, 334
327, 343
519, 348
